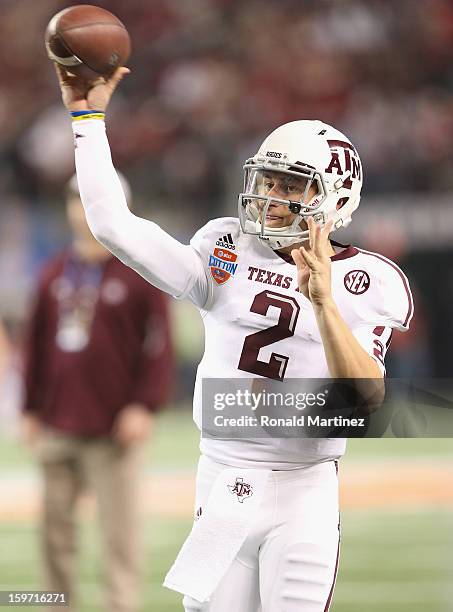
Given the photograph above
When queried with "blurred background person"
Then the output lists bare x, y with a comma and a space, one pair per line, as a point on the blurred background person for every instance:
98, 366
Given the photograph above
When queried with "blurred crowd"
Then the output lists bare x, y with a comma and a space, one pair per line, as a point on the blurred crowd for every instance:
209, 79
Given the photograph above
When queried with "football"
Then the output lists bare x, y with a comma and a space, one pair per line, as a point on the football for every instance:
88, 41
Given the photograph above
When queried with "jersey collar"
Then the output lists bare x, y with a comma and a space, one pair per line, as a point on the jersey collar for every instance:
348, 250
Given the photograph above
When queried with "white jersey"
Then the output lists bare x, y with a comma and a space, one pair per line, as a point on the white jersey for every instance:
252, 289
243, 288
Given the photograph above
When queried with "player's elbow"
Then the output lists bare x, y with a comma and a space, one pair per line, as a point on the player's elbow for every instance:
105, 230
372, 395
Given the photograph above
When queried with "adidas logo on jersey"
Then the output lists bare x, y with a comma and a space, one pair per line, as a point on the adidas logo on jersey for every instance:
226, 242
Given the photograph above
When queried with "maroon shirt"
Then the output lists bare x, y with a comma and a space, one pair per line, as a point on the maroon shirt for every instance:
126, 357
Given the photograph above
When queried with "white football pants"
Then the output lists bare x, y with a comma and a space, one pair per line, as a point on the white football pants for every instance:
288, 563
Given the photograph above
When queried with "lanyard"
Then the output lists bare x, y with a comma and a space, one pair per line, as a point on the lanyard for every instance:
78, 294
79, 285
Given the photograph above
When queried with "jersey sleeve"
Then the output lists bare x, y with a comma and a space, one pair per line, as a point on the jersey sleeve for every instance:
396, 306
139, 243
388, 305
203, 242
388, 301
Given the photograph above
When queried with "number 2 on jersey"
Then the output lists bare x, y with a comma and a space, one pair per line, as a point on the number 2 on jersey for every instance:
289, 312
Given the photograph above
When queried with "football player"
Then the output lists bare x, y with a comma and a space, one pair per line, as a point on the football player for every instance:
279, 299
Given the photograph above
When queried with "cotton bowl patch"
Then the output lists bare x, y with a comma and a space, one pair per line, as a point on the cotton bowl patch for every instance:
222, 265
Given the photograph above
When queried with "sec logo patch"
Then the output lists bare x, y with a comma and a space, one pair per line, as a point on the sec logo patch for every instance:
357, 281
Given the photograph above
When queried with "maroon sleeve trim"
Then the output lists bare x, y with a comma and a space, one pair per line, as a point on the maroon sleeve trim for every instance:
410, 300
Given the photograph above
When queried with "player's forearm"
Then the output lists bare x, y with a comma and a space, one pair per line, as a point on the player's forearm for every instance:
139, 243
345, 357
98, 181
103, 199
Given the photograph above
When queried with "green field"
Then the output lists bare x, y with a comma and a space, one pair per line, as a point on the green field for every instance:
392, 560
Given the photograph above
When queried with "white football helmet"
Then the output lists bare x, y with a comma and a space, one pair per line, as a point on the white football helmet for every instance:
319, 154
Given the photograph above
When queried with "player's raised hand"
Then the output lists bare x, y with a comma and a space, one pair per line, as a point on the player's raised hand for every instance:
313, 265
81, 94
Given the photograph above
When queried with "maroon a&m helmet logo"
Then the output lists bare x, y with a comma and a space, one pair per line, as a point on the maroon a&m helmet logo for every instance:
357, 282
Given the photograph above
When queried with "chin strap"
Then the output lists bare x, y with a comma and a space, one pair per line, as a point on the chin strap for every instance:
278, 243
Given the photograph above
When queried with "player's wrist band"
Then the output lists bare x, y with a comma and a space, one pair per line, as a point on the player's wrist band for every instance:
87, 114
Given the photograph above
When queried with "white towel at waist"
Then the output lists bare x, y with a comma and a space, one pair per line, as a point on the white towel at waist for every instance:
219, 533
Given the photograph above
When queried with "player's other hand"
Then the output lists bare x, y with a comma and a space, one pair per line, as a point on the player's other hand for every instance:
313, 265
79, 94
133, 424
